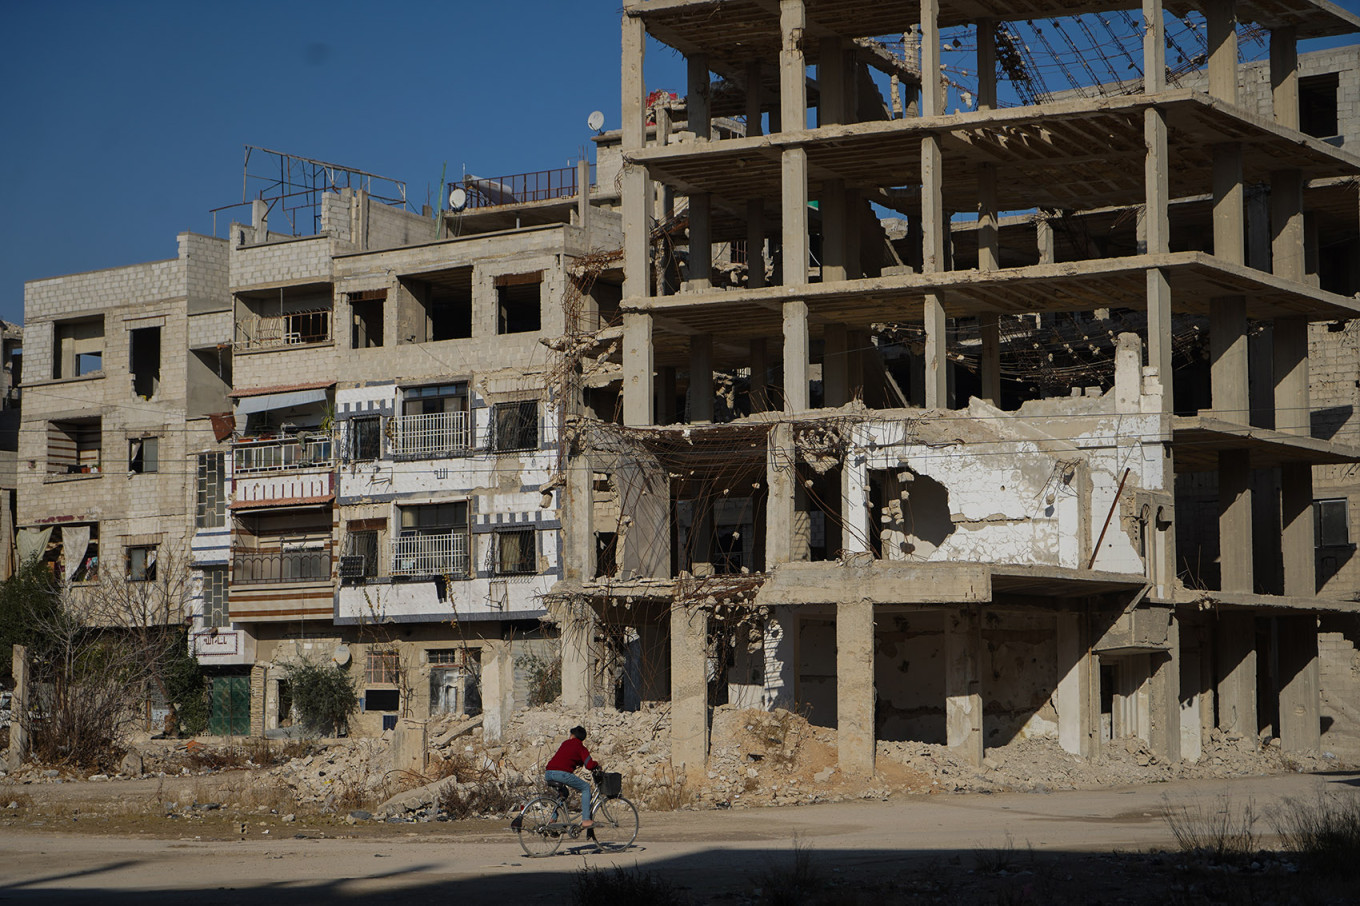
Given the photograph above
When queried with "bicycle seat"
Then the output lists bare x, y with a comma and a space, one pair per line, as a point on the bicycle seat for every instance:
561, 789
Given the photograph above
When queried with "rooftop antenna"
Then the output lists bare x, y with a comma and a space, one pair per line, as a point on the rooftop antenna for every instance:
596, 121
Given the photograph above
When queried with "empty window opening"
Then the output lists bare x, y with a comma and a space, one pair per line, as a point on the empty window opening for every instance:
141, 563
145, 355
1317, 105
438, 306
816, 520
519, 303
362, 438
144, 455
74, 446
210, 491
1330, 527
366, 327
79, 347
606, 554
515, 426
382, 700
515, 553
72, 552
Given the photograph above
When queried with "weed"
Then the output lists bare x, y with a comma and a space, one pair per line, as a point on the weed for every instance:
1217, 831
623, 886
1325, 832
20, 801
792, 883
468, 800
667, 793
1003, 858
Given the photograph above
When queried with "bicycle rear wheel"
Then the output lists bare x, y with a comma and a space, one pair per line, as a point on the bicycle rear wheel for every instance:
541, 827
616, 825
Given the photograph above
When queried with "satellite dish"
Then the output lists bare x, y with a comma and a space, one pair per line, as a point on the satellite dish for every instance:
340, 655
596, 120
457, 198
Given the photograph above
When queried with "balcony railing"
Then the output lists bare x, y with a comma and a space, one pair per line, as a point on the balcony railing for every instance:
425, 435
519, 188
431, 555
255, 567
292, 329
280, 455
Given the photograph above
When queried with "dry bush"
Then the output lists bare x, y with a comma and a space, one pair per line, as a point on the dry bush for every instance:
217, 758
1218, 831
21, 801
488, 797
668, 792
253, 794
792, 883
623, 886
1325, 832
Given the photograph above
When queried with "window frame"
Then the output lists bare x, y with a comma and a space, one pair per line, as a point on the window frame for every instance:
382, 667
1319, 522
523, 431
139, 462
358, 443
527, 563
146, 572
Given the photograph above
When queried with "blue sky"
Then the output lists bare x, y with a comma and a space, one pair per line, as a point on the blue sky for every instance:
126, 121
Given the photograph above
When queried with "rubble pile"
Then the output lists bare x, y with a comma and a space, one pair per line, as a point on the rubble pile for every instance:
339, 774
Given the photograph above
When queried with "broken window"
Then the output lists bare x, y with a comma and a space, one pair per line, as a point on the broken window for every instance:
145, 361
515, 554
78, 347
74, 446
144, 455
215, 597
515, 426
366, 309
363, 438
606, 554
210, 491
519, 303
1317, 105
141, 563
1330, 527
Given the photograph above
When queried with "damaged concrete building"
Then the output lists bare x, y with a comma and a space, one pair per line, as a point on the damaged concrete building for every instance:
811, 501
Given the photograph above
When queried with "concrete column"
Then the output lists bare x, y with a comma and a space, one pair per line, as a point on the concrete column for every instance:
697, 105
638, 405
792, 66
578, 537
963, 683
577, 627
1156, 225
860, 344
760, 365
1164, 694
498, 689
635, 184
1221, 29
701, 378
1236, 562
1284, 76
410, 744
583, 194
781, 478
755, 99
1043, 238
1235, 637
931, 102
855, 687
854, 515
989, 249
1297, 541
831, 76
835, 366
1078, 710
18, 709
700, 243
755, 243
1192, 690
990, 327
1286, 221
795, 356
781, 629
794, 210
986, 64
689, 689
1154, 47
259, 219
1300, 726
936, 353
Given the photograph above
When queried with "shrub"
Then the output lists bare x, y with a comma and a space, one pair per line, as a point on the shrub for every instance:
623, 886
1325, 832
545, 677
1217, 831
489, 797
324, 696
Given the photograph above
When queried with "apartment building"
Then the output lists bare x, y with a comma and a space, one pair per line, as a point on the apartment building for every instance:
792, 512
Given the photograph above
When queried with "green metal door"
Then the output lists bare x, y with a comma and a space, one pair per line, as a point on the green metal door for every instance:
230, 706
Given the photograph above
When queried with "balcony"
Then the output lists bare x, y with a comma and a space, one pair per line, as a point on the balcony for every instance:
425, 556
435, 434
261, 567
521, 188
259, 456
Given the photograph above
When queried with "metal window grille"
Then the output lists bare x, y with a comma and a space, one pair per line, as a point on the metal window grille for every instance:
515, 426
434, 433
215, 597
212, 497
384, 667
515, 554
434, 554
361, 438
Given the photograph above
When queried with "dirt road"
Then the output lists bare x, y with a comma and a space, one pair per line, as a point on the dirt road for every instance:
912, 842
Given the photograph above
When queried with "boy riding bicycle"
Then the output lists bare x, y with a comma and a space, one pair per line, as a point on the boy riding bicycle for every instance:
561, 768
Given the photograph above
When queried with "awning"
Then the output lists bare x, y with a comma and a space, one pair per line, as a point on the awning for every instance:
269, 401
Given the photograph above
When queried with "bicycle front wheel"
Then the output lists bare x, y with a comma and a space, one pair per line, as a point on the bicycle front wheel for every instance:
616, 825
541, 826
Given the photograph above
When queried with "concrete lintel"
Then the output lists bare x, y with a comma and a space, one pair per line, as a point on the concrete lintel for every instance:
879, 582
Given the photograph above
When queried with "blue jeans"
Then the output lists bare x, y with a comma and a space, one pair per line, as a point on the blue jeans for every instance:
578, 784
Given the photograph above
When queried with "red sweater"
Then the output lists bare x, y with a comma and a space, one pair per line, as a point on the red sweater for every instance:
570, 756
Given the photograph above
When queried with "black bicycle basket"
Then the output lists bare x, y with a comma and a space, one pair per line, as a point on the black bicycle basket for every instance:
611, 785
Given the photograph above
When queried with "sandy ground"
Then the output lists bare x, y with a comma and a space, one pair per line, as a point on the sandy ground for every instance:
1043, 847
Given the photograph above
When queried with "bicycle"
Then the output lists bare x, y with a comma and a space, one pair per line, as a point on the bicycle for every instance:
544, 821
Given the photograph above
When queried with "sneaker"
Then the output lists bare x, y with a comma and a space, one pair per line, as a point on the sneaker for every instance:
587, 823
